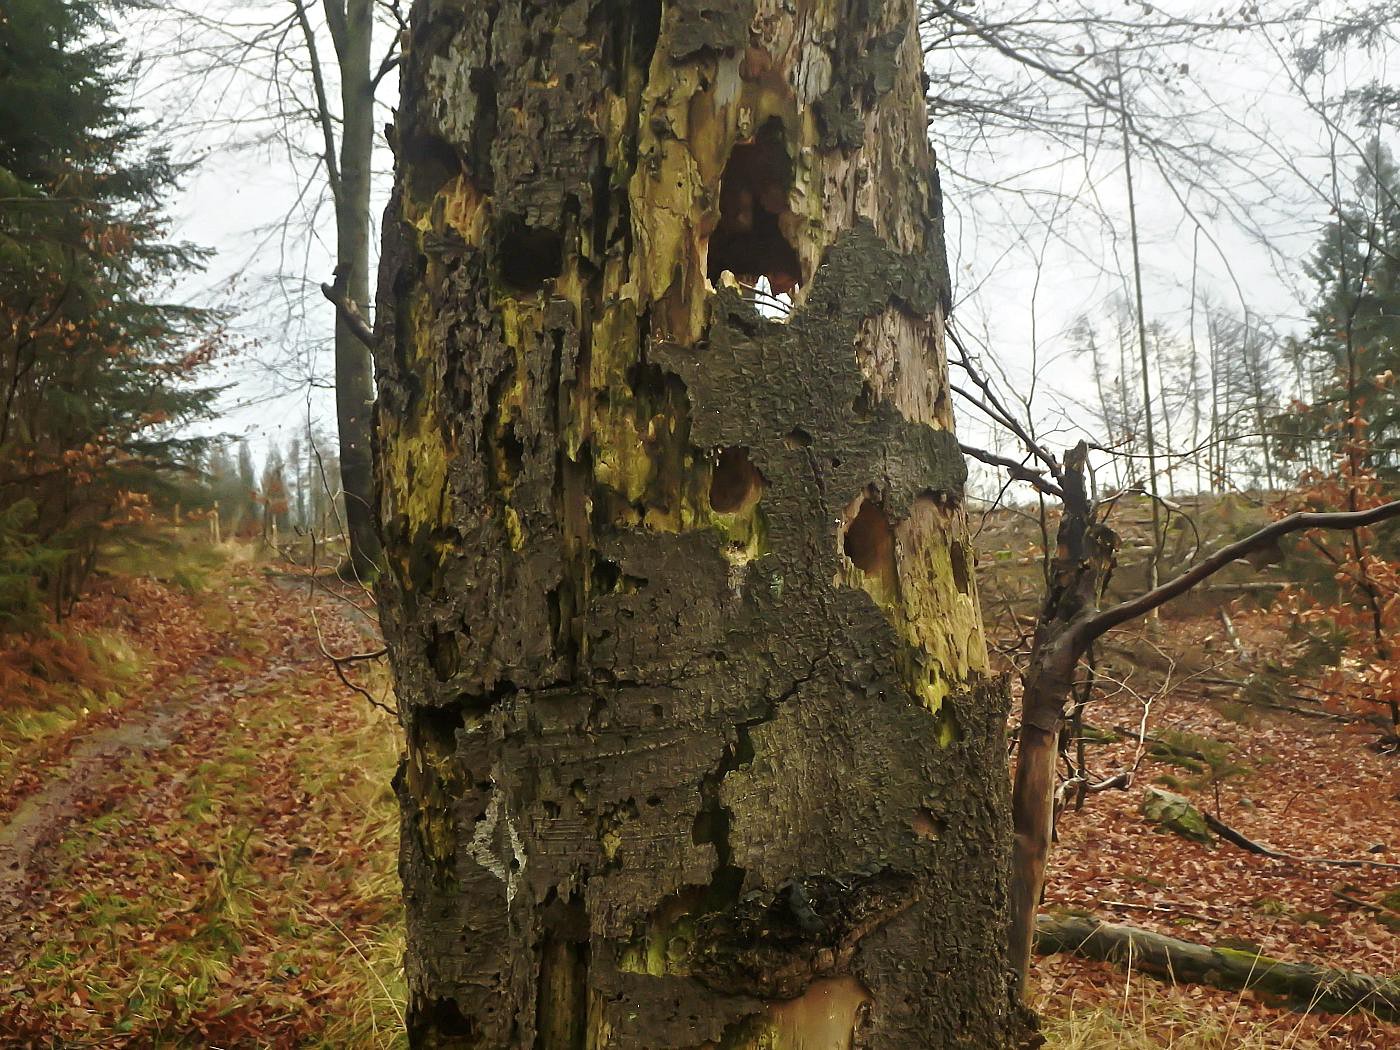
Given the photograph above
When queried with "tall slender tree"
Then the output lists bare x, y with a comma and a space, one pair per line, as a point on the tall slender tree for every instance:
349, 150
311, 68
700, 747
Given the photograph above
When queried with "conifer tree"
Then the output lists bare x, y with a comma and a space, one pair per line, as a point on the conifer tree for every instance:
95, 367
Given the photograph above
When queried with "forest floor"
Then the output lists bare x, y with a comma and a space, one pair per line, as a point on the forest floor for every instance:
1312, 787
198, 843
197, 835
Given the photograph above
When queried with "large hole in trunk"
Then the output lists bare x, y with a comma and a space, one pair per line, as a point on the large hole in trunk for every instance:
735, 482
528, 255
749, 241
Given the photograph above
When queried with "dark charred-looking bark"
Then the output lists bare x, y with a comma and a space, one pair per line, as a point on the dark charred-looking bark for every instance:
679, 599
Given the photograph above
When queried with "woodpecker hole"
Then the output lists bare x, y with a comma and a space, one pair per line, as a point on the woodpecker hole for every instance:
929, 825
528, 256
749, 240
869, 543
735, 482
961, 576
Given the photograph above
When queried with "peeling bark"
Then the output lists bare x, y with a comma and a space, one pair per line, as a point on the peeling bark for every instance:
701, 748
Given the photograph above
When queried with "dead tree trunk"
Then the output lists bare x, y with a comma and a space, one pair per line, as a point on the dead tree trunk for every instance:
700, 749
1085, 550
1070, 621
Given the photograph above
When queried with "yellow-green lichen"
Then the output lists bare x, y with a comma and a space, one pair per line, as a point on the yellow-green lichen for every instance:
918, 574
432, 779
416, 452
663, 947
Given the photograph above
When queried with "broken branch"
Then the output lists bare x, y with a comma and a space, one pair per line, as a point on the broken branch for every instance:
349, 313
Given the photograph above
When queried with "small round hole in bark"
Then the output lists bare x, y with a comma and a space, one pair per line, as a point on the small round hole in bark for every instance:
869, 542
798, 438
735, 482
928, 824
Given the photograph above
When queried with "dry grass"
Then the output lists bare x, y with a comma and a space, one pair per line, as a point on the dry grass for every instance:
1144, 1014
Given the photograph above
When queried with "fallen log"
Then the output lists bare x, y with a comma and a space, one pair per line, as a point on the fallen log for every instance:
1302, 985
1229, 834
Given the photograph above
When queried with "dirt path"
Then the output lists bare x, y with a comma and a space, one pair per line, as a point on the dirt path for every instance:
211, 854
96, 764
210, 859
97, 760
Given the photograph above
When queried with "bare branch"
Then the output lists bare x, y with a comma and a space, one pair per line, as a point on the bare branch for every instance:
1096, 625
1017, 470
390, 63
324, 117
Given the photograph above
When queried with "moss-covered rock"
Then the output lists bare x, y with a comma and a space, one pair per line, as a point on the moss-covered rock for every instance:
1175, 813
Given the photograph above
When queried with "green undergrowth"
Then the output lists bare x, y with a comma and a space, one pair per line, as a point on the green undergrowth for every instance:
240, 892
156, 609
180, 557
54, 679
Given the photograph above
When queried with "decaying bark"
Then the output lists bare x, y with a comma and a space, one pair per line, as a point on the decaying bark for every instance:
680, 601
1302, 984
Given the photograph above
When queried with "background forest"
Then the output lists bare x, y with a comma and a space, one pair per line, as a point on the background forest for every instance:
1175, 246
